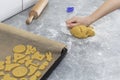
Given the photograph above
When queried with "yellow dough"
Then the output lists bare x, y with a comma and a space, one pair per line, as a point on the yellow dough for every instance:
30, 49
32, 70
26, 63
24, 59
2, 73
82, 31
49, 56
36, 76
91, 33
33, 50
19, 49
2, 65
38, 73
44, 65
33, 77
18, 57
29, 62
38, 56
23, 79
20, 72
8, 77
8, 60
9, 67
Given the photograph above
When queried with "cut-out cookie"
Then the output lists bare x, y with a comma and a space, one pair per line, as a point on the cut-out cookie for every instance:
49, 56
18, 57
24, 66
24, 59
20, 72
8, 77
19, 48
44, 65
23, 79
38, 56
36, 76
29, 62
38, 73
9, 67
30, 49
32, 70
2, 65
2, 73
33, 50
8, 60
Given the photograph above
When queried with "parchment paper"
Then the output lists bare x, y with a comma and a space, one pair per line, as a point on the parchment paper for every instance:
11, 36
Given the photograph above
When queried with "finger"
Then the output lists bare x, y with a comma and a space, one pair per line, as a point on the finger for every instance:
73, 24
67, 22
71, 20
68, 25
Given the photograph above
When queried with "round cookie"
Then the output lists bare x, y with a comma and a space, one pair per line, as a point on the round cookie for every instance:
82, 31
20, 72
19, 48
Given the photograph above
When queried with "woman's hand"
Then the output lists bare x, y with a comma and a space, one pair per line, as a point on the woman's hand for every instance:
74, 21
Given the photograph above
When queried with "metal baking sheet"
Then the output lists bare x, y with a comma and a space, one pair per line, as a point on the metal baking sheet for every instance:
10, 37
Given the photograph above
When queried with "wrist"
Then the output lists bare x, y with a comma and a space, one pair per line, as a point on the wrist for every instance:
89, 20
92, 19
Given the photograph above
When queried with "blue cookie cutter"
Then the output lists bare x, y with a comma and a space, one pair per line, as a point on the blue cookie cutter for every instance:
70, 9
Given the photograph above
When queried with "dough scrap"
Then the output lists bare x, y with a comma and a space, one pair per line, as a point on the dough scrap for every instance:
20, 72
19, 48
82, 31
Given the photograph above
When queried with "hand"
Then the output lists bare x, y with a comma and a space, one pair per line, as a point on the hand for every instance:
74, 21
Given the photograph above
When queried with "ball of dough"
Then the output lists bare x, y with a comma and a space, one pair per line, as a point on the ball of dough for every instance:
19, 48
82, 31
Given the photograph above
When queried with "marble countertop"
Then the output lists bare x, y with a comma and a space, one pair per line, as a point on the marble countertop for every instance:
94, 58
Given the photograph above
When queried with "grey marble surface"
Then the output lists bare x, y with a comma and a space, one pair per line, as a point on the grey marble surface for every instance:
95, 58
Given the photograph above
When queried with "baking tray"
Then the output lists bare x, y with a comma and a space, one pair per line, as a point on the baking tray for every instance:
11, 36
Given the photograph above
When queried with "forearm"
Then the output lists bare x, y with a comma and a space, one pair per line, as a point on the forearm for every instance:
107, 7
